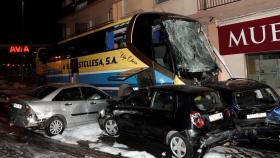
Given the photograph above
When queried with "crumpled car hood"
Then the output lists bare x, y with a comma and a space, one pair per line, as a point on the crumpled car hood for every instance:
239, 152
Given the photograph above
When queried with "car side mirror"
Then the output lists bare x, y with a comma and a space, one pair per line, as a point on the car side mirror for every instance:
95, 97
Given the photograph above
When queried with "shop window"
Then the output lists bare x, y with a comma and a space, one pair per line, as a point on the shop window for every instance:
264, 68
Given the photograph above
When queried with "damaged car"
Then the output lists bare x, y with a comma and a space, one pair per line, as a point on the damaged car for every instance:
180, 116
56, 106
250, 100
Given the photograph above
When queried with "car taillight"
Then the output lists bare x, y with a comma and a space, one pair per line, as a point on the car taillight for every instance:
196, 119
28, 110
228, 113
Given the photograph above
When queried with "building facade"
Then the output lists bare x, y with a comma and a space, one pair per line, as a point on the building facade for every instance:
247, 35
246, 32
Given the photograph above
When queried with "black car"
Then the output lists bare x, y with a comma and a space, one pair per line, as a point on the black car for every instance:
250, 100
179, 116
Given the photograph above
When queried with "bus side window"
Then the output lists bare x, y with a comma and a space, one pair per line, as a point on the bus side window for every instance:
43, 57
159, 48
161, 55
110, 40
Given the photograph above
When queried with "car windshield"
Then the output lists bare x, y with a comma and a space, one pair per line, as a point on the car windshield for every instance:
42, 92
256, 97
208, 102
191, 48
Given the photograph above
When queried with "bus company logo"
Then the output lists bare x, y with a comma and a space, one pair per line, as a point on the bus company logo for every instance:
128, 58
94, 63
19, 49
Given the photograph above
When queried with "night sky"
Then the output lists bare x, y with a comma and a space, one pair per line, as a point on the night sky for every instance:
40, 19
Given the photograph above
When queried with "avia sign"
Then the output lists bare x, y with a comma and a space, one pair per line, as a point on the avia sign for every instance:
260, 35
19, 49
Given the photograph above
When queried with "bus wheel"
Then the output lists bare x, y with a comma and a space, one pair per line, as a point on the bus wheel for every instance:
124, 90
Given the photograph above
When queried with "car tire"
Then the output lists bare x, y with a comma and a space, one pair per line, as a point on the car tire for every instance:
179, 146
111, 127
54, 126
124, 90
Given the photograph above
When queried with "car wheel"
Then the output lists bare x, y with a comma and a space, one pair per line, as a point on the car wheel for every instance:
111, 127
54, 126
180, 146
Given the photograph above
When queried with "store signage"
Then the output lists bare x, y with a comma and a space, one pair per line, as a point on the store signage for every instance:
19, 49
260, 35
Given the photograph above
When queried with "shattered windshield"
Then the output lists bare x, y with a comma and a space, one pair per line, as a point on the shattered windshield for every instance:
191, 48
257, 97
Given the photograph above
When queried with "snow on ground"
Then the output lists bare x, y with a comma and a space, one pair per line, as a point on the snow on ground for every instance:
91, 133
13, 149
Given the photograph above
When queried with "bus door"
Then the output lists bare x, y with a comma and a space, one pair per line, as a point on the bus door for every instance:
74, 73
161, 54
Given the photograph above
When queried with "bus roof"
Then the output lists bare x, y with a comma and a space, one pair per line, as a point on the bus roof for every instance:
95, 30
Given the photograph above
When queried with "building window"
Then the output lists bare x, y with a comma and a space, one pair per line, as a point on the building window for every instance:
81, 27
160, 1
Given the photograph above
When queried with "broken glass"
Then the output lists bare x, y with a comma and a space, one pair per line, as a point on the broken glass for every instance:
191, 48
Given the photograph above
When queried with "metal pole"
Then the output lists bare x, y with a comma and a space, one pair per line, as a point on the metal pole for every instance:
22, 36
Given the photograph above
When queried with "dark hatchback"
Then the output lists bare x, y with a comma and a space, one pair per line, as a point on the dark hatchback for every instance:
179, 116
250, 100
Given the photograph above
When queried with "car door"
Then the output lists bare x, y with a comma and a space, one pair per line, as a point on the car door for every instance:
131, 114
73, 104
160, 118
96, 101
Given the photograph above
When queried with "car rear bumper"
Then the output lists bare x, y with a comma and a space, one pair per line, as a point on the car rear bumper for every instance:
23, 121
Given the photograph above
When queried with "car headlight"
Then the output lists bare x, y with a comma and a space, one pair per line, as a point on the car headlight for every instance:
102, 113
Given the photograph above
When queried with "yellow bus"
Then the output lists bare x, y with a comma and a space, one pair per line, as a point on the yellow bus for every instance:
147, 49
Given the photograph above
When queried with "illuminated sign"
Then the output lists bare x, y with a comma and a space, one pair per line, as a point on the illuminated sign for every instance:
19, 49
261, 35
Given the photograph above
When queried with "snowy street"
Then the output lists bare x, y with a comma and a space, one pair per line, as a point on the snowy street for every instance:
89, 141
83, 141
17, 142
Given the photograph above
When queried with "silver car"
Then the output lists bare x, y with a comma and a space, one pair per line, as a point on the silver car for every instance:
54, 107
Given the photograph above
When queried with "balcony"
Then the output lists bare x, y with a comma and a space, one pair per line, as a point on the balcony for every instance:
207, 4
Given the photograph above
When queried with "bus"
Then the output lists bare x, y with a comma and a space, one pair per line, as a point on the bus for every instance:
144, 50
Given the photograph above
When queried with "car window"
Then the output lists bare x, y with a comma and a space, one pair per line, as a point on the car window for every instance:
163, 101
207, 101
263, 96
42, 92
68, 95
138, 99
92, 93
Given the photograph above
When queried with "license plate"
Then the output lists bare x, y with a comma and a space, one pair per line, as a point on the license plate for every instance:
18, 106
257, 115
215, 117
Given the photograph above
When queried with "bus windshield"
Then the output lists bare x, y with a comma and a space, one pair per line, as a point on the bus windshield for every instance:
191, 48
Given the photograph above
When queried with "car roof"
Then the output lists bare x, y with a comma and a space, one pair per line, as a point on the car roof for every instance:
237, 85
64, 85
182, 88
